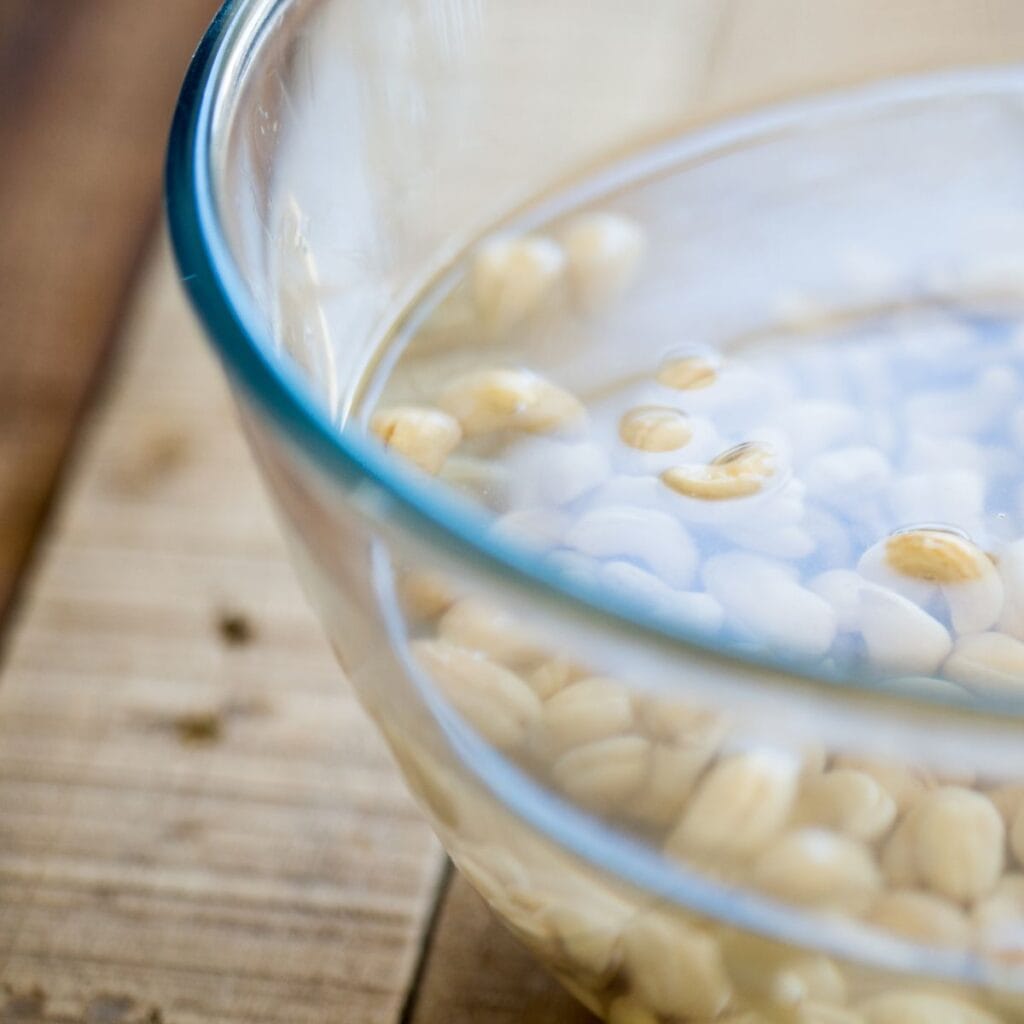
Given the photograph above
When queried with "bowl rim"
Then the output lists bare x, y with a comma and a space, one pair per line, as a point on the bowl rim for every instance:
233, 324
216, 287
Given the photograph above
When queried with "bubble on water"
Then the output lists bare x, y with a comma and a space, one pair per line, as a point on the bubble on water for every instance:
951, 528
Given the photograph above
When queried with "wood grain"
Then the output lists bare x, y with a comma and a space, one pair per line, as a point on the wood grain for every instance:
197, 823
86, 94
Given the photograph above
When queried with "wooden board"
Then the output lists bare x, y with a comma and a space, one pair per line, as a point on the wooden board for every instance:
197, 823
86, 93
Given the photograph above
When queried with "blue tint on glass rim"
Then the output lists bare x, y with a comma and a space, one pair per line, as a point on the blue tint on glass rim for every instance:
235, 328
238, 332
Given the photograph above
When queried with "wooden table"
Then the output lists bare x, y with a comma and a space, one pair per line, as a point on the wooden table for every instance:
197, 823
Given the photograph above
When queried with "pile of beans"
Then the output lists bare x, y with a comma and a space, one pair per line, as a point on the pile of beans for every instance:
714, 491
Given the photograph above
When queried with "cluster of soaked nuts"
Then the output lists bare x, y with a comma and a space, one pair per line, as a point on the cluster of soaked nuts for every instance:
927, 860
836, 833
716, 494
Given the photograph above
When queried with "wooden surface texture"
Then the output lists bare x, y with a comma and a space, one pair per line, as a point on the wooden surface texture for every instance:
197, 823
86, 92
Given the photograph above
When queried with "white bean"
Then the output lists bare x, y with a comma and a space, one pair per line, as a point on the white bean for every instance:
604, 251
772, 973
899, 860
820, 868
425, 594
1011, 570
1002, 911
651, 537
874, 567
532, 527
845, 477
603, 775
495, 701
988, 661
816, 426
694, 610
958, 842
967, 410
423, 436
655, 429
848, 801
554, 675
777, 542
923, 1007
476, 625
739, 805
832, 537
485, 401
688, 373
676, 969
584, 712
1007, 798
975, 605
964, 574
741, 472
626, 489
589, 932
841, 588
700, 612
548, 472
925, 453
575, 567
901, 639
512, 278
904, 783
672, 776
922, 917
763, 599
672, 721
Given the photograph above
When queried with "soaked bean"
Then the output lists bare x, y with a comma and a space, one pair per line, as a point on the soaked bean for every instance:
478, 626
818, 868
425, 437
605, 774
912, 1007
486, 401
495, 701
738, 807
848, 801
688, 373
654, 428
762, 598
921, 917
676, 970
739, 473
604, 251
988, 661
512, 278
958, 843
584, 712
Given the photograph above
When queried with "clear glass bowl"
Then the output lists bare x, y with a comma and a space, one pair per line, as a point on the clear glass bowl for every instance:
681, 829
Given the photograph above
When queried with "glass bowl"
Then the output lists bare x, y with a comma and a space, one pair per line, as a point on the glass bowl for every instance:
681, 827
